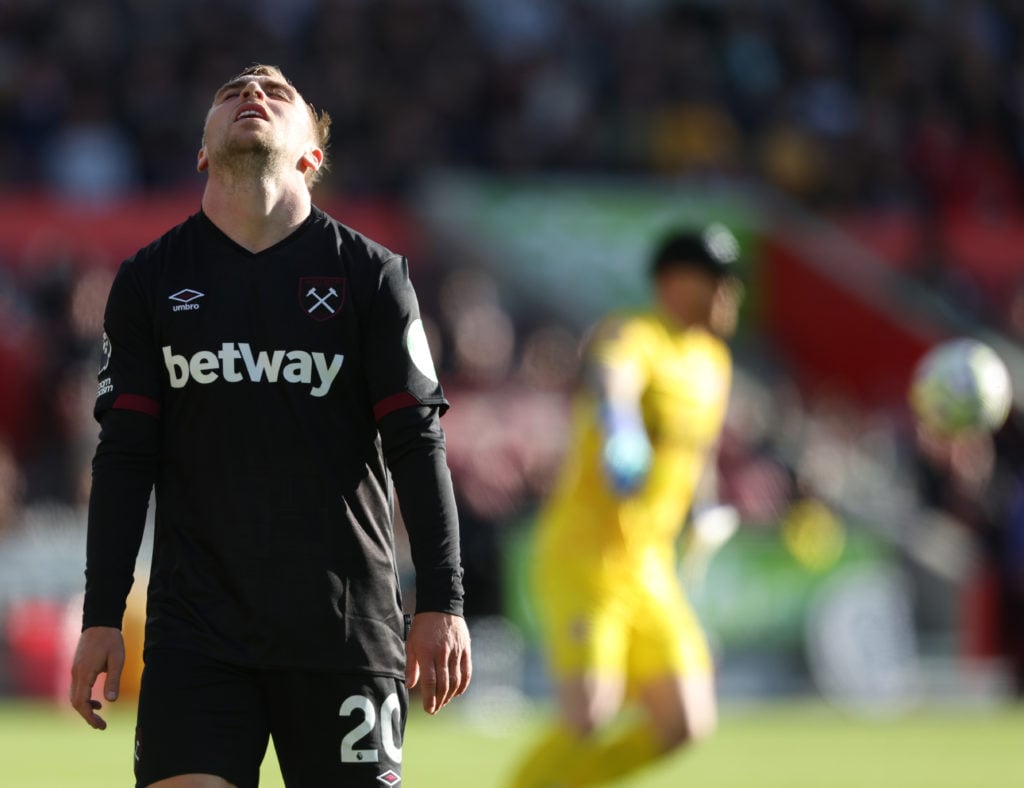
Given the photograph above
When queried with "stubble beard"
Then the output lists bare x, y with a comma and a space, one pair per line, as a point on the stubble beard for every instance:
246, 160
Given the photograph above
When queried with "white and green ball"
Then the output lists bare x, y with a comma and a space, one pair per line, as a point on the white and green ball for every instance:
961, 385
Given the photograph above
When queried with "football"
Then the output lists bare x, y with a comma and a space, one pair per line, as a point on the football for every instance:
961, 385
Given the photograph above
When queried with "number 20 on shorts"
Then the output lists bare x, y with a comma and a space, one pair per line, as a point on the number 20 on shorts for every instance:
389, 717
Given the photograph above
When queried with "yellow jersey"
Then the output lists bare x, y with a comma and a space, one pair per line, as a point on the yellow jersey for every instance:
686, 377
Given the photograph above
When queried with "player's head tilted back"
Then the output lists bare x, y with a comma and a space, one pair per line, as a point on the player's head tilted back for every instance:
695, 277
258, 121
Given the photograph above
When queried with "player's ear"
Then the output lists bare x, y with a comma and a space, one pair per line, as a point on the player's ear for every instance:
311, 160
202, 161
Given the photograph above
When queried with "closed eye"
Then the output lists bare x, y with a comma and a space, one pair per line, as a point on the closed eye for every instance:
273, 90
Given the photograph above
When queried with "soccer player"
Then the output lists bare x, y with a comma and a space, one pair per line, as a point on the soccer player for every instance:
617, 626
265, 367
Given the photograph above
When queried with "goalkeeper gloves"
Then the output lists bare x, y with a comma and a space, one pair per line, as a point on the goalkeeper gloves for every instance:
626, 453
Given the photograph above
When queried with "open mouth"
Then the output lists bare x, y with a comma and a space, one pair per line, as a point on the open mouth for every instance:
251, 111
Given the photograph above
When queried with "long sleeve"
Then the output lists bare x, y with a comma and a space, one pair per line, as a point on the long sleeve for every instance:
414, 446
124, 470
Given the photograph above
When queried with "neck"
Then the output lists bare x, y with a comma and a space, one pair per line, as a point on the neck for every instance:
679, 320
256, 212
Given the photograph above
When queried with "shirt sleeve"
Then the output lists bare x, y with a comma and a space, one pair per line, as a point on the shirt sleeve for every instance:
125, 465
123, 473
415, 448
130, 373
623, 343
617, 366
400, 370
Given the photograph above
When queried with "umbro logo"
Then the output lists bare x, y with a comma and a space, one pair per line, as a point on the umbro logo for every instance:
185, 300
389, 778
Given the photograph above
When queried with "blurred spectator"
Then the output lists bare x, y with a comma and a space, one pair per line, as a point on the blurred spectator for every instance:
978, 482
694, 139
12, 488
1015, 313
506, 428
90, 159
21, 368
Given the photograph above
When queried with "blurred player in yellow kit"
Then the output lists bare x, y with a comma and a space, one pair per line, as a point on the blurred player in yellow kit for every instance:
618, 629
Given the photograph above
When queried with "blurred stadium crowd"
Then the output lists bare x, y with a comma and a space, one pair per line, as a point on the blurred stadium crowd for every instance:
855, 102
851, 108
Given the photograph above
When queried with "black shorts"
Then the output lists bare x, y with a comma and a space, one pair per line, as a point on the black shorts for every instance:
201, 716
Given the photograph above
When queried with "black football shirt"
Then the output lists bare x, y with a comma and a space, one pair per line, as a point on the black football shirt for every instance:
268, 373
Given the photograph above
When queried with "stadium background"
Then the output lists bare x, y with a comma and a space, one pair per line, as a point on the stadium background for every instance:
523, 154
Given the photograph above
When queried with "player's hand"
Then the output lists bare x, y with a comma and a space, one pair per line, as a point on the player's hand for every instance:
438, 658
100, 650
627, 458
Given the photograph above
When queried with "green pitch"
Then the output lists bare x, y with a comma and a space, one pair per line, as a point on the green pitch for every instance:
768, 746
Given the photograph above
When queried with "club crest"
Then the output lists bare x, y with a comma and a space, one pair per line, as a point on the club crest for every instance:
321, 297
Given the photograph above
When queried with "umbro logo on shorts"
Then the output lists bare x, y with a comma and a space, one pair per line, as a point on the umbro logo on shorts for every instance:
389, 778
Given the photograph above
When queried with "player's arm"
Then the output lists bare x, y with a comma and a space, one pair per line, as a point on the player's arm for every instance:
123, 473
408, 403
615, 376
438, 647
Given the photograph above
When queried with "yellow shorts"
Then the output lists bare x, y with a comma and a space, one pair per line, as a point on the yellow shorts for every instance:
631, 621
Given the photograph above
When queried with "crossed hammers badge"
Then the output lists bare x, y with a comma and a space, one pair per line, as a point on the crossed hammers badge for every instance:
321, 297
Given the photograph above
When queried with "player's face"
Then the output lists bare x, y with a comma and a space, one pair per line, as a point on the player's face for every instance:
687, 294
263, 115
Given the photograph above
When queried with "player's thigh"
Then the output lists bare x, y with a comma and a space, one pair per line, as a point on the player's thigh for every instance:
201, 723
338, 729
666, 637
586, 638
671, 669
584, 621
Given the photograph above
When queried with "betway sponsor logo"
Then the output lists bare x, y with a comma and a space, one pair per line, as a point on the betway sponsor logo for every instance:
236, 362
